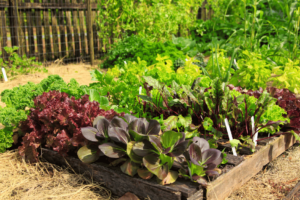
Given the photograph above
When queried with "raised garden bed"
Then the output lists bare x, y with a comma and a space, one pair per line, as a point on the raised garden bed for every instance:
235, 173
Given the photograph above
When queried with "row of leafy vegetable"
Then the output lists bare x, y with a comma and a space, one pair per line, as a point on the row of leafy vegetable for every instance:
181, 113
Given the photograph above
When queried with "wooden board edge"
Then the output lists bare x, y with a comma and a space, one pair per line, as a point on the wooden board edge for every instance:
226, 184
292, 192
112, 179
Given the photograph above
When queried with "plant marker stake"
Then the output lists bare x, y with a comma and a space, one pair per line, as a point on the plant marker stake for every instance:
4, 74
255, 134
140, 90
186, 59
230, 135
125, 62
236, 63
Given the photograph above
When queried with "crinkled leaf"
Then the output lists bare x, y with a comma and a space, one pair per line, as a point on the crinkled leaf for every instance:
184, 121
170, 123
112, 150
207, 123
90, 133
129, 168
235, 143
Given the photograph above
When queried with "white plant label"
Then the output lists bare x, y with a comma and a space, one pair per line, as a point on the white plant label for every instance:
4, 74
125, 62
186, 59
254, 133
140, 90
235, 63
230, 135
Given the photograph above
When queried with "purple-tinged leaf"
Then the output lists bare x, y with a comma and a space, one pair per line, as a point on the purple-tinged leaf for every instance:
179, 149
119, 122
96, 120
152, 163
90, 133
195, 153
129, 168
212, 172
129, 118
102, 126
118, 134
135, 158
112, 150
153, 128
155, 141
212, 156
142, 148
202, 143
137, 126
144, 173
202, 181
88, 155
170, 178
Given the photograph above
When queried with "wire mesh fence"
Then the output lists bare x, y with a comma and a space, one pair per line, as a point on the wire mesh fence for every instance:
49, 29
54, 29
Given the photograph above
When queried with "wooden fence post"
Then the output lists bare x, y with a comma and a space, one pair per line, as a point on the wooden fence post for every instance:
90, 31
14, 23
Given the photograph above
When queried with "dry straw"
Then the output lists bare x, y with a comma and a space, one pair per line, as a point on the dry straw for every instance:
20, 180
275, 181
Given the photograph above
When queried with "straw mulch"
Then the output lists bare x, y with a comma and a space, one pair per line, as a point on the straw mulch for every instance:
20, 180
275, 181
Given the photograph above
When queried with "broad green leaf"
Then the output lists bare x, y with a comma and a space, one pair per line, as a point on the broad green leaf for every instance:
169, 138
88, 155
235, 143
170, 123
133, 157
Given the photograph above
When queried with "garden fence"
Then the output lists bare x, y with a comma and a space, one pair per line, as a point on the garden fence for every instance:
54, 29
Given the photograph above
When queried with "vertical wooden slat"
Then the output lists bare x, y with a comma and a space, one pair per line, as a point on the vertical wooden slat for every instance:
203, 13
69, 33
54, 28
76, 32
22, 39
90, 31
39, 34
30, 31
14, 23
95, 38
63, 41
47, 34
82, 31
3, 39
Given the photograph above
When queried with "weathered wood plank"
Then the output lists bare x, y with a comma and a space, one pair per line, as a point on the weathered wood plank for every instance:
54, 29
95, 34
292, 192
76, 33
90, 31
22, 39
39, 34
14, 23
62, 34
112, 177
70, 52
29, 19
3, 39
44, 5
49, 52
82, 32
223, 186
